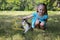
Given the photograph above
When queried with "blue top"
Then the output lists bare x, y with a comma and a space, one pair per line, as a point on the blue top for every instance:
36, 16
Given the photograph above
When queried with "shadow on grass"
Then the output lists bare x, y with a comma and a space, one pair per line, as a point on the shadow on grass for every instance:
54, 24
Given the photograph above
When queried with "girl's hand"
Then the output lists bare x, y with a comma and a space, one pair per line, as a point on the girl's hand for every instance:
24, 18
37, 21
19, 18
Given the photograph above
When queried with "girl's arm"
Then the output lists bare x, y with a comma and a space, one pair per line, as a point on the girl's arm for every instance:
30, 16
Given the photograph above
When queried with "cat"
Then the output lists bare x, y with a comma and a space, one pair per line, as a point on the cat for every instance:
26, 25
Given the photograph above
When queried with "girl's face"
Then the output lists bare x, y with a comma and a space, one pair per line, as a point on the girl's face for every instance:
41, 9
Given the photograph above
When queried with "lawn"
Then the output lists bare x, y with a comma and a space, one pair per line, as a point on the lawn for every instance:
10, 26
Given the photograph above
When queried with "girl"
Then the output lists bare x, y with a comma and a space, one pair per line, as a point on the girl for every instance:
39, 18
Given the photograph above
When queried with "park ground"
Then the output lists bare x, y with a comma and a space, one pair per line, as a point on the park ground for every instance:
10, 26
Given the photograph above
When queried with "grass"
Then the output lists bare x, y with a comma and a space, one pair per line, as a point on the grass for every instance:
10, 27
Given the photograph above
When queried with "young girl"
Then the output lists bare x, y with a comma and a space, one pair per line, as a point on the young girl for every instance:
39, 18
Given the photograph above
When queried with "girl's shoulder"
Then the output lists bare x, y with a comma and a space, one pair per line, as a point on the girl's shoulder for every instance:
34, 13
45, 16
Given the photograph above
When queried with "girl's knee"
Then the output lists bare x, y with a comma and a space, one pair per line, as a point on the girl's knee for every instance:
42, 24
37, 22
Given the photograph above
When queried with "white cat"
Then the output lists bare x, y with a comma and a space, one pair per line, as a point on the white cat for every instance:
26, 25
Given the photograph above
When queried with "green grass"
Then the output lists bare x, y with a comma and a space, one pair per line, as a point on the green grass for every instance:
10, 27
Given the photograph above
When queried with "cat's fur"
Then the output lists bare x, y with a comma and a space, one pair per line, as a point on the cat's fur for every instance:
26, 25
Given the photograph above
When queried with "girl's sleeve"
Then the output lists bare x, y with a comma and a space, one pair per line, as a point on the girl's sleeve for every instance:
34, 14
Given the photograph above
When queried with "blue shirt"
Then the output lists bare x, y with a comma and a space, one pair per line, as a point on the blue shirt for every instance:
40, 18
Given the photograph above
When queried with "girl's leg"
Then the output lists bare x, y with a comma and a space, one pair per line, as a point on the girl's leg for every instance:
37, 24
42, 24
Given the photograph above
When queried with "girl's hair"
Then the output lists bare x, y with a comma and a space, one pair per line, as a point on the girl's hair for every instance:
45, 7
